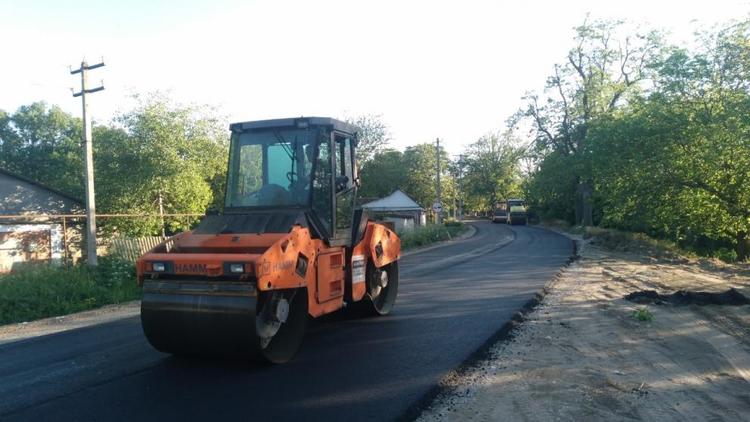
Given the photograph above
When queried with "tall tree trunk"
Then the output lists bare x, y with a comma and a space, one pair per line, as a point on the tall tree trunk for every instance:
584, 208
743, 245
577, 203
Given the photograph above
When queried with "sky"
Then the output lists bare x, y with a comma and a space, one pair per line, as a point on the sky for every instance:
454, 70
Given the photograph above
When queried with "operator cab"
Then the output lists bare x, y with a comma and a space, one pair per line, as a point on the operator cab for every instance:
293, 166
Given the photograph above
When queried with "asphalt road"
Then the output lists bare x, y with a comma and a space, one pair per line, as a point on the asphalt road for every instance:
451, 300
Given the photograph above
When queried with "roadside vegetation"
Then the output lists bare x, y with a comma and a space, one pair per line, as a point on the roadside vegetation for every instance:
431, 233
624, 241
637, 134
45, 290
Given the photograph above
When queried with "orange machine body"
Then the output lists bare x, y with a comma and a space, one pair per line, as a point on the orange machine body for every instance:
274, 261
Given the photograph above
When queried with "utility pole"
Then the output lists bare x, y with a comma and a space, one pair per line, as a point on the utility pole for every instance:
460, 187
89, 160
161, 214
439, 202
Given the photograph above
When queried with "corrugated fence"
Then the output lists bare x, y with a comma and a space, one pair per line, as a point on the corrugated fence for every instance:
132, 248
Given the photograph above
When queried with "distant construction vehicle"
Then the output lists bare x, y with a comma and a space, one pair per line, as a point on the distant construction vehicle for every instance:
511, 211
500, 212
517, 212
289, 245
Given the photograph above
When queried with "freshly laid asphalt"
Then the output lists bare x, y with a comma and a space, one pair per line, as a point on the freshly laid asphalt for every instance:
452, 299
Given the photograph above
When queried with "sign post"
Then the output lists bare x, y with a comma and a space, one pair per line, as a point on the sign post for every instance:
437, 208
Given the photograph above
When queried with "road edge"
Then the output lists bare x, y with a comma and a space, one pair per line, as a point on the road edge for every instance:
504, 334
20, 331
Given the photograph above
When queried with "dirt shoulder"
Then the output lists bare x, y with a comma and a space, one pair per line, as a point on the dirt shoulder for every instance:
52, 325
583, 355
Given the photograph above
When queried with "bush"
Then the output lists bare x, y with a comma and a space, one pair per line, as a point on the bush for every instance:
726, 255
452, 223
431, 233
46, 290
643, 315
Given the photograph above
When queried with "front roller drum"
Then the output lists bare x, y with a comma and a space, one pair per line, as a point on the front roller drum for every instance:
180, 320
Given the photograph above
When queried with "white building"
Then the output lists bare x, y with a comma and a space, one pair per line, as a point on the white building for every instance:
399, 209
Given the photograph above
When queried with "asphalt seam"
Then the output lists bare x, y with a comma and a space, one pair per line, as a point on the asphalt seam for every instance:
503, 335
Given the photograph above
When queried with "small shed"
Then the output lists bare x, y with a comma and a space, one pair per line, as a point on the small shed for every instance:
398, 208
27, 232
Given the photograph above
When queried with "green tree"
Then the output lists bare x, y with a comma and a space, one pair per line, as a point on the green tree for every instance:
383, 174
677, 162
161, 149
43, 143
491, 170
374, 136
605, 67
551, 187
420, 166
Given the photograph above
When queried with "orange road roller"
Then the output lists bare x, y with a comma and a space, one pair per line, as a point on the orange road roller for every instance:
289, 244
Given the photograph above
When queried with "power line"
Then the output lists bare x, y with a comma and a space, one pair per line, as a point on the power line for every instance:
89, 159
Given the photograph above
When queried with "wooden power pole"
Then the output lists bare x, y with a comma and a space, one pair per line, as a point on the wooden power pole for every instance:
438, 208
89, 160
161, 215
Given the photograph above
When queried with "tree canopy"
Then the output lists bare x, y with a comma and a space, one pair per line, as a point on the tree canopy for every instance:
161, 149
668, 155
157, 149
43, 143
490, 170
599, 74
374, 136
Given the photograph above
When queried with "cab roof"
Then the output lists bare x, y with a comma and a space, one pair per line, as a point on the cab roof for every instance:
295, 122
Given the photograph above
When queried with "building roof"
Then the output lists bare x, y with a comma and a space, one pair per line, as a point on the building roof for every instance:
397, 201
40, 185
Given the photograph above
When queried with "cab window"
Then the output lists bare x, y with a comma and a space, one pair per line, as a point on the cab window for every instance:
345, 192
322, 186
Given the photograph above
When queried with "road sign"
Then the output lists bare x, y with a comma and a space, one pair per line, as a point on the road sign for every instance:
437, 206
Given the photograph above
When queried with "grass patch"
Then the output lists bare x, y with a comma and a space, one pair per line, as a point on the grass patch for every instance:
431, 233
643, 315
45, 290
618, 240
633, 242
